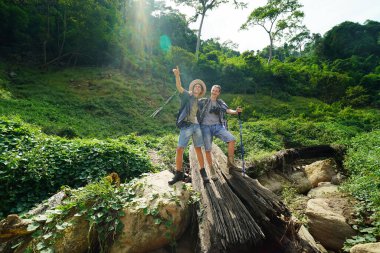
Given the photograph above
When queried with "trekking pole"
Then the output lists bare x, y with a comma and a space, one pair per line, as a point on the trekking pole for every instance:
241, 145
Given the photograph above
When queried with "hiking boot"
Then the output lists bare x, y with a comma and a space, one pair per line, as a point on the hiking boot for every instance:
204, 176
178, 176
213, 173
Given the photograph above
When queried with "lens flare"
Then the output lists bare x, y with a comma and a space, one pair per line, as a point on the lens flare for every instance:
165, 43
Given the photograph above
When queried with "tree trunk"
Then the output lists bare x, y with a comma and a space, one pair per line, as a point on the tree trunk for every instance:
225, 224
270, 49
240, 215
199, 36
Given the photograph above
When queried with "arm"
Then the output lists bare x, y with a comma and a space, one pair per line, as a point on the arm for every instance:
178, 80
235, 112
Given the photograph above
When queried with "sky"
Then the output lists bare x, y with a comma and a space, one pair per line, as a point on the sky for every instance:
320, 16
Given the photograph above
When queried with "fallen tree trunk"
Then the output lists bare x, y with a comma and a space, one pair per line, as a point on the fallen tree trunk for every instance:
226, 223
240, 215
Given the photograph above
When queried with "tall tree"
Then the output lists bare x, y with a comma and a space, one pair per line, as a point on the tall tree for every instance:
201, 7
278, 18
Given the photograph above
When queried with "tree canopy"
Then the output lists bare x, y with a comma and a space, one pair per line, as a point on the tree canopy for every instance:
277, 18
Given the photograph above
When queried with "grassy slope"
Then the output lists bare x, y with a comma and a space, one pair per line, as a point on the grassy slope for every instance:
99, 103
89, 102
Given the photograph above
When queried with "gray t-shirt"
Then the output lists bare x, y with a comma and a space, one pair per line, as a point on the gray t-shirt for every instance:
212, 114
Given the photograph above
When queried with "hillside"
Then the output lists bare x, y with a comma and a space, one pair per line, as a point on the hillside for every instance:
37, 107
85, 102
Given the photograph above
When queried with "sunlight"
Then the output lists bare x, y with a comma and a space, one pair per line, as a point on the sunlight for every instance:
142, 29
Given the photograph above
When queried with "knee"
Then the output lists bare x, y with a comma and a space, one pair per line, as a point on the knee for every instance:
198, 149
180, 149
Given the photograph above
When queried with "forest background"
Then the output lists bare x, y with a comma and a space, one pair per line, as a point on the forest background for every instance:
80, 79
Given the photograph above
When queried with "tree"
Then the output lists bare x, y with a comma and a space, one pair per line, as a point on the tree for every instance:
349, 38
300, 39
201, 7
175, 26
278, 18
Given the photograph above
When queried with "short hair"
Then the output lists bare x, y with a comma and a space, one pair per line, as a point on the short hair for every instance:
217, 86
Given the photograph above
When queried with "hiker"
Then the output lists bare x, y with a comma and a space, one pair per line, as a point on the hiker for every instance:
212, 120
187, 121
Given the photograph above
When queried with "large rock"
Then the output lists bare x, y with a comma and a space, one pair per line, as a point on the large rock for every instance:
328, 226
320, 171
170, 204
157, 216
273, 181
300, 182
323, 190
366, 248
305, 235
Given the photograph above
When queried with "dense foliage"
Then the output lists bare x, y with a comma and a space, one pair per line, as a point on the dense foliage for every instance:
145, 37
318, 89
33, 166
363, 164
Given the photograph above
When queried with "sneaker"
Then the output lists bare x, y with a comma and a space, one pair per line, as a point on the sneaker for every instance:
178, 176
204, 176
213, 173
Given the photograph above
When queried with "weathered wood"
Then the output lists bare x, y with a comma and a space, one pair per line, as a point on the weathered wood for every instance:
229, 198
226, 223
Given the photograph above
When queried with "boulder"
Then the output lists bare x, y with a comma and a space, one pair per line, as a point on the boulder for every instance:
338, 178
273, 181
305, 235
320, 171
75, 238
12, 227
300, 182
366, 248
171, 208
156, 217
323, 190
328, 226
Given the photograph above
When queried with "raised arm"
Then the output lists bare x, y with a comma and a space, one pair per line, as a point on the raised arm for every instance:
178, 80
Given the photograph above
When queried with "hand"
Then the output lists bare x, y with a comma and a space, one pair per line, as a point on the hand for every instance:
176, 71
239, 109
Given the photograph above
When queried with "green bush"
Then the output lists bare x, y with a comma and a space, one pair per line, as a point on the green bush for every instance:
33, 166
363, 164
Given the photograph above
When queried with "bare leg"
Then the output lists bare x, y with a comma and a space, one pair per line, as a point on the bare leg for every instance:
202, 170
178, 175
231, 151
231, 161
179, 158
198, 151
209, 158
209, 161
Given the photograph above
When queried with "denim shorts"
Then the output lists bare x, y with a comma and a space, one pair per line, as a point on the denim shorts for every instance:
194, 131
218, 130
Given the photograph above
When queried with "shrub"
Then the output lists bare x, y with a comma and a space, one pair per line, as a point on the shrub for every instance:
33, 166
363, 164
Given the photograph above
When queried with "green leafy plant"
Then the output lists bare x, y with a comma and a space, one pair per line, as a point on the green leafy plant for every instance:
99, 203
33, 165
